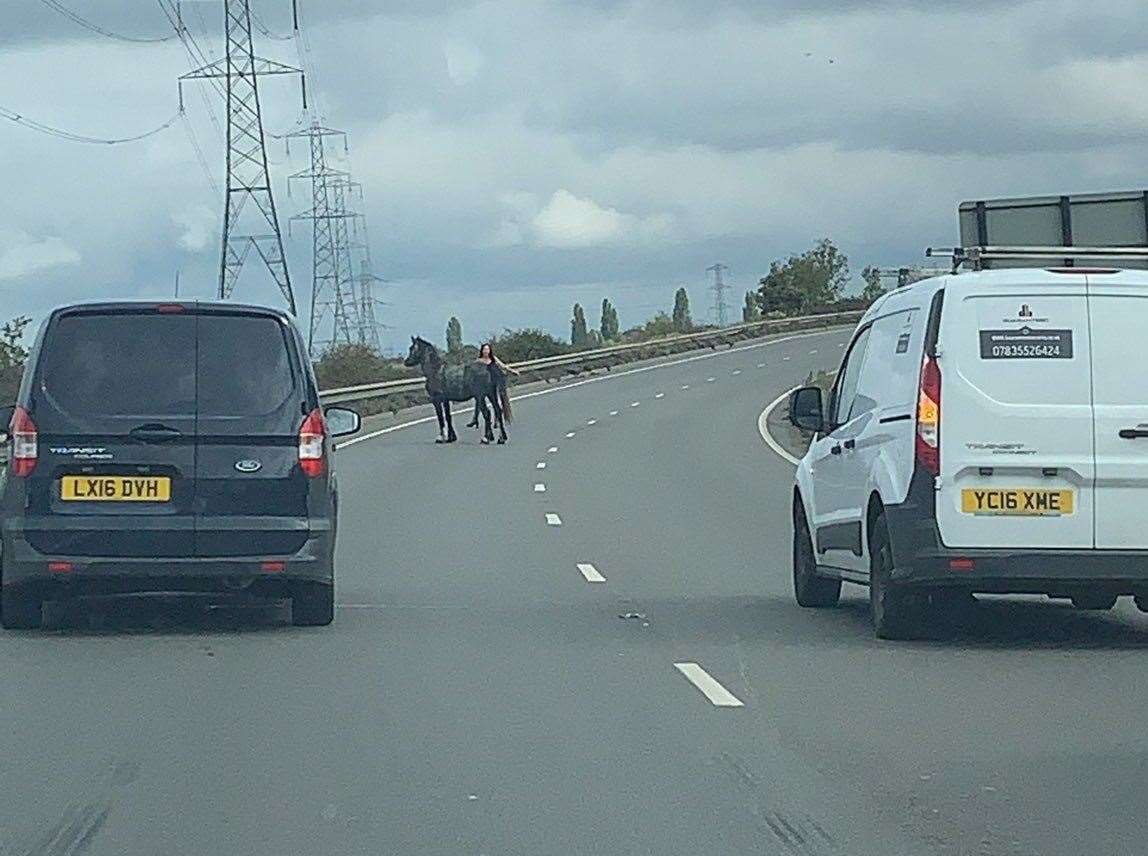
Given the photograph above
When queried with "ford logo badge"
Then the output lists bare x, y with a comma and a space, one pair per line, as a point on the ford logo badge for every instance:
248, 466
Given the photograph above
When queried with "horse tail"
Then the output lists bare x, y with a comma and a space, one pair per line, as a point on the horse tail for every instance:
504, 398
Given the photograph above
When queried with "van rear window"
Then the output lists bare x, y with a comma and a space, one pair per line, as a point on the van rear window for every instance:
244, 366
120, 364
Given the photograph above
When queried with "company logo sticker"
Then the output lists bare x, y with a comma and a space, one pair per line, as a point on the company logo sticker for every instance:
248, 466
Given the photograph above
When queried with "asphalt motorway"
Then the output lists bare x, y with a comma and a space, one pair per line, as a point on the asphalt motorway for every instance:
611, 663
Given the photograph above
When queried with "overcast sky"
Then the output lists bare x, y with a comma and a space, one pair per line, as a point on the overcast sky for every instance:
518, 155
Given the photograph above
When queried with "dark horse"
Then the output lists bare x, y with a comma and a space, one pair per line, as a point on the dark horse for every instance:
459, 383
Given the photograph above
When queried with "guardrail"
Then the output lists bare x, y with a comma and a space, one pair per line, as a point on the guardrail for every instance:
583, 361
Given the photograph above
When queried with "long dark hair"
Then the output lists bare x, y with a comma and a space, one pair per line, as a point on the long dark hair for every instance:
503, 395
490, 346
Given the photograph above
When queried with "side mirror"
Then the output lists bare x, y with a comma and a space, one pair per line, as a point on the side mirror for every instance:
805, 409
342, 421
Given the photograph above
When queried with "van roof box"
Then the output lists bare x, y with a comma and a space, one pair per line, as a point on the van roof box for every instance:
983, 258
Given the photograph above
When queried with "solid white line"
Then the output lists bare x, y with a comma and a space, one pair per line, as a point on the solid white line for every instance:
552, 450
592, 422
660, 395
553, 520
718, 695
763, 429
540, 488
569, 435
639, 370
541, 465
591, 573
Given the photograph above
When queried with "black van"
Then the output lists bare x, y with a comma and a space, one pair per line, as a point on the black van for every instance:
169, 447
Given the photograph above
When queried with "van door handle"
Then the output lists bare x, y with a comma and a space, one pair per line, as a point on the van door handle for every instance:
1133, 433
155, 434
835, 450
850, 444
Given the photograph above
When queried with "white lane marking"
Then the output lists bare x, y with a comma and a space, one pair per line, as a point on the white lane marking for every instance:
841, 345
553, 520
814, 351
569, 435
552, 450
761, 365
574, 385
710, 379
592, 422
590, 573
786, 359
718, 695
540, 488
685, 386
660, 395
635, 404
763, 429
541, 465
737, 371
613, 412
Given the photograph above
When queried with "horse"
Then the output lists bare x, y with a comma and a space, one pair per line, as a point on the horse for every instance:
445, 384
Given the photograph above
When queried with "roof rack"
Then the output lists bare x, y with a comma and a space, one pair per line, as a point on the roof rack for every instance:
976, 257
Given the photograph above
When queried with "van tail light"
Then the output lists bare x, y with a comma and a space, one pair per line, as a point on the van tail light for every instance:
25, 446
311, 436
928, 443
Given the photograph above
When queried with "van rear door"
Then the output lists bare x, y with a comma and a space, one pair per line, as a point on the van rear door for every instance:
251, 496
1118, 310
114, 401
1016, 430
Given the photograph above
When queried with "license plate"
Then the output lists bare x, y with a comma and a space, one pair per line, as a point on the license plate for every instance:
1023, 502
115, 489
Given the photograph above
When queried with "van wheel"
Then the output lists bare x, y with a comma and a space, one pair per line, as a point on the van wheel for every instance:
19, 611
809, 589
1098, 601
312, 604
895, 612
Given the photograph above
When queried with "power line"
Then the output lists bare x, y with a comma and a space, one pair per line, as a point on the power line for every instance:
96, 28
59, 133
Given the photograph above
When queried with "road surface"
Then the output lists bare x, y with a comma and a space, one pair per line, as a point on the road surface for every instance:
634, 680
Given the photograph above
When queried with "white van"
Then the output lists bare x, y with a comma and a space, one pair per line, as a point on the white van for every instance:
988, 432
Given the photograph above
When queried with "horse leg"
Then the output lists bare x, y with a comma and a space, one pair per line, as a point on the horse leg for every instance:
487, 434
451, 437
498, 415
441, 422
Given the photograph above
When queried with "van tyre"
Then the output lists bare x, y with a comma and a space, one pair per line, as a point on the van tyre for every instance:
1097, 601
20, 611
312, 604
809, 589
895, 612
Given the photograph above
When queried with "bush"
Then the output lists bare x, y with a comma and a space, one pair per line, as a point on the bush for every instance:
516, 346
9, 386
352, 365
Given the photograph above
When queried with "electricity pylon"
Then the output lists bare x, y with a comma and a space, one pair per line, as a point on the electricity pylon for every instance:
248, 177
720, 309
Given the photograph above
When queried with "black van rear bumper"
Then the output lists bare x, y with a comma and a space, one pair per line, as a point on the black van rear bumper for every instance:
920, 558
25, 566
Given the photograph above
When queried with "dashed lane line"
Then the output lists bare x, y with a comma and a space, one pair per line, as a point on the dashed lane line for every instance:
553, 450
718, 695
553, 520
613, 412
660, 395
541, 465
710, 379
382, 432
635, 403
540, 488
591, 421
590, 573
569, 434
737, 371
685, 386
